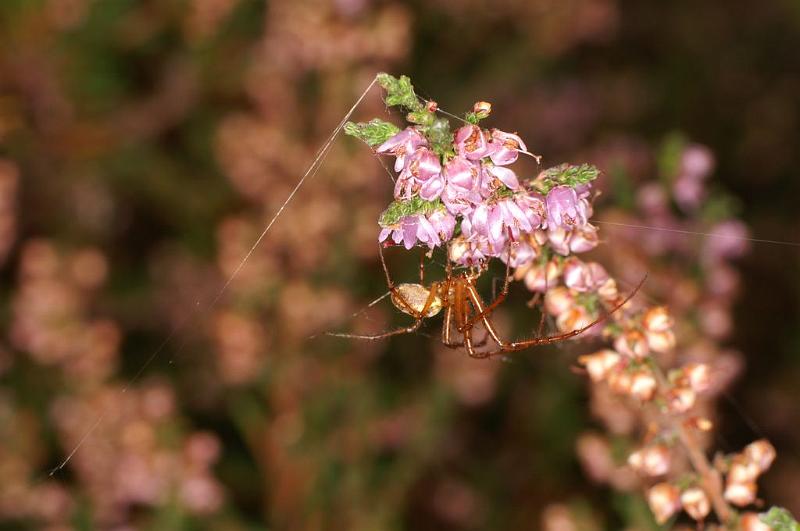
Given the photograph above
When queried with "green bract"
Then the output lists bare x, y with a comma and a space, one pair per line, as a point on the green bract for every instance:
779, 519
567, 175
373, 133
407, 207
400, 92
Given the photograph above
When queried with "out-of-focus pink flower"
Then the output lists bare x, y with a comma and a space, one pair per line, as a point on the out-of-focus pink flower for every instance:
599, 364
583, 239
584, 276
695, 502
565, 209
727, 240
651, 460
505, 147
664, 500
471, 142
697, 162
400, 145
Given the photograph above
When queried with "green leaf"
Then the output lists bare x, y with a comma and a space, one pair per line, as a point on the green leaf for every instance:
373, 133
400, 92
407, 207
566, 175
779, 519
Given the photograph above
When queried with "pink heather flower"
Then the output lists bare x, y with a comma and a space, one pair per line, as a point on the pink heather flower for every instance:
728, 239
430, 231
584, 277
400, 145
532, 204
558, 238
565, 209
697, 162
583, 239
471, 142
539, 278
443, 223
504, 175
461, 184
485, 223
522, 253
469, 252
505, 147
422, 167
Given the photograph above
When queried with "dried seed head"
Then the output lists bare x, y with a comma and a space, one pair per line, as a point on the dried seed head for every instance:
657, 319
632, 343
680, 399
751, 522
741, 494
661, 342
664, 501
599, 364
652, 460
695, 502
761, 453
698, 375
643, 385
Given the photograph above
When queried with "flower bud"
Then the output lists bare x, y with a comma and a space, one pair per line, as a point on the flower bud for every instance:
643, 385
632, 343
657, 319
695, 502
558, 300
482, 109
600, 363
751, 522
761, 453
680, 399
652, 460
740, 494
661, 342
664, 501
431, 106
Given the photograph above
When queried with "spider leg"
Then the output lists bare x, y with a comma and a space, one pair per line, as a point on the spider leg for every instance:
406, 330
547, 340
498, 300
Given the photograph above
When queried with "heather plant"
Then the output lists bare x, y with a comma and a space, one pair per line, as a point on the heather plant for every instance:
453, 189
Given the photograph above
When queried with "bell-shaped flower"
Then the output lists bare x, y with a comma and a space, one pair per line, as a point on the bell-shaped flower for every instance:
565, 209
472, 142
504, 175
506, 147
401, 145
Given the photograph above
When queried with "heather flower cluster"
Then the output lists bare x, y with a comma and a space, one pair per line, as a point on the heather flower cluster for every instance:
457, 190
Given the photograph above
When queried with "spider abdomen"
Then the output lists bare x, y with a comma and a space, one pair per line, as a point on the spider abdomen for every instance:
412, 299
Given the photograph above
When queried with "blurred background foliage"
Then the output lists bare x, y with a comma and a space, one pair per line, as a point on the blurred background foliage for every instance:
145, 144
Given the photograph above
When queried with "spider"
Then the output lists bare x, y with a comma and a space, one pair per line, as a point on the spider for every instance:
463, 307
